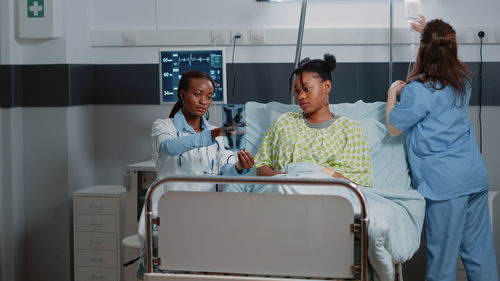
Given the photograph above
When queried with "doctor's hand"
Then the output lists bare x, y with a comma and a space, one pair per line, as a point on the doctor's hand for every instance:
217, 132
419, 27
245, 161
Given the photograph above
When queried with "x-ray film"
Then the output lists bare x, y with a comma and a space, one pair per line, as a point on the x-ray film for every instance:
234, 122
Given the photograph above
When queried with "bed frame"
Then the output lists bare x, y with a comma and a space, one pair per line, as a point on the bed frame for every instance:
247, 236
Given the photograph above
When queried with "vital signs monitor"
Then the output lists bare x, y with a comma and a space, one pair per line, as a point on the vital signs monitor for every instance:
174, 62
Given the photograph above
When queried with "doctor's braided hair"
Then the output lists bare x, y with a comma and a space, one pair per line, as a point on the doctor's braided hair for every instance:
185, 84
323, 67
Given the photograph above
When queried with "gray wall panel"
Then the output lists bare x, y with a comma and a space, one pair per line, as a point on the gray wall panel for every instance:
5, 204
12, 195
123, 137
47, 212
81, 147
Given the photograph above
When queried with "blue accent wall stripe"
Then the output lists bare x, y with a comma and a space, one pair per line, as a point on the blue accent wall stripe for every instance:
45, 85
127, 84
79, 84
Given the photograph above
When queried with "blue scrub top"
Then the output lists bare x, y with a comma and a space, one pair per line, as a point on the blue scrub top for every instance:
442, 151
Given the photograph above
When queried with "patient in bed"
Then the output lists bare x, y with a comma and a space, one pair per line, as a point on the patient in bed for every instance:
315, 135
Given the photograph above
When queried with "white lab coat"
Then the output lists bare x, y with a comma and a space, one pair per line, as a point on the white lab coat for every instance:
206, 160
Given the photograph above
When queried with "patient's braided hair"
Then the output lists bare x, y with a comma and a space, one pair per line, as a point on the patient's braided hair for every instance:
323, 67
184, 85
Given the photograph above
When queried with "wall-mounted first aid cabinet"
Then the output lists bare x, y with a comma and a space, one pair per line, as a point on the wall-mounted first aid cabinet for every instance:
40, 19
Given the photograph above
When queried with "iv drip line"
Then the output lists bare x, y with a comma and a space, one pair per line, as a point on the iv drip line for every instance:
412, 53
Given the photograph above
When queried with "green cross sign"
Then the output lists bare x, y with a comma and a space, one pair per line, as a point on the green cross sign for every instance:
35, 9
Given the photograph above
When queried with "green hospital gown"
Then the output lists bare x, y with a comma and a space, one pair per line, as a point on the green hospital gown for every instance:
341, 145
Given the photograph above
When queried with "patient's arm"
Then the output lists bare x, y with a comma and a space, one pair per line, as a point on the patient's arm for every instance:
267, 171
340, 176
332, 172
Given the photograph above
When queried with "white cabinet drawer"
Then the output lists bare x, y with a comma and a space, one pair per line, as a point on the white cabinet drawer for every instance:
96, 205
96, 274
95, 241
96, 258
98, 223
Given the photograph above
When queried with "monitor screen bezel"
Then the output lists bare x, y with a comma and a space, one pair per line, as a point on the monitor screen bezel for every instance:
213, 48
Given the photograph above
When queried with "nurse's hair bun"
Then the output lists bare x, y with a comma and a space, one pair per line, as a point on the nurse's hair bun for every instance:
329, 63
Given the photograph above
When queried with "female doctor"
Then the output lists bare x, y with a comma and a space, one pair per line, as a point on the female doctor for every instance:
186, 144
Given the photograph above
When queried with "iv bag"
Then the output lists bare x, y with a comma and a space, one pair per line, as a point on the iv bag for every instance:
412, 11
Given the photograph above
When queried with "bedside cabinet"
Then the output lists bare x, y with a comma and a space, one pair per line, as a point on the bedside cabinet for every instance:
98, 228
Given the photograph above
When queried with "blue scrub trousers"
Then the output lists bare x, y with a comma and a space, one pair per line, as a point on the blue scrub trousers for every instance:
460, 226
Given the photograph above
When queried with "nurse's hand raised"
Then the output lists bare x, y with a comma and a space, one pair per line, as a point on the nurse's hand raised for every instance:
420, 25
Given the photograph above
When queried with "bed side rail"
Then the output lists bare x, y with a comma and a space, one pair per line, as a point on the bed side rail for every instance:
249, 197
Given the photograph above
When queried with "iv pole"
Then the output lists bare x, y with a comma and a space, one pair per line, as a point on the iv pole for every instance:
300, 36
391, 24
298, 48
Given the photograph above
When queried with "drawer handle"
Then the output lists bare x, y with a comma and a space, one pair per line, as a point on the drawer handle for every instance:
96, 241
94, 206
93, 276
93, 223
96, 259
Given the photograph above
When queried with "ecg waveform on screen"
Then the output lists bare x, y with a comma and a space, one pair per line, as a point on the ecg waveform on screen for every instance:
190, 59
175, 63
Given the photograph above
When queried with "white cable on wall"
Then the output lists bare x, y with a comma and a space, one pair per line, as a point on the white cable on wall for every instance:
157, 15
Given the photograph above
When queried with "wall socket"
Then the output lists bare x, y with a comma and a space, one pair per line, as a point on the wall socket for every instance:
476, 36
241, 33
129, 38
218, 37
257, 36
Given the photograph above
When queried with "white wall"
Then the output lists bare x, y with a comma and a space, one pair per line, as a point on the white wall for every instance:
47, 153
9, 49
328, 24
177, 22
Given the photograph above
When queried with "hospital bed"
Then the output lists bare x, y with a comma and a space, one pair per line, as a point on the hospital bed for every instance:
301, 226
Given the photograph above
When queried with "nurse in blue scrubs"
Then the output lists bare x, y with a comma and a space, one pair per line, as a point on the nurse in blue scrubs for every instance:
445, 161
